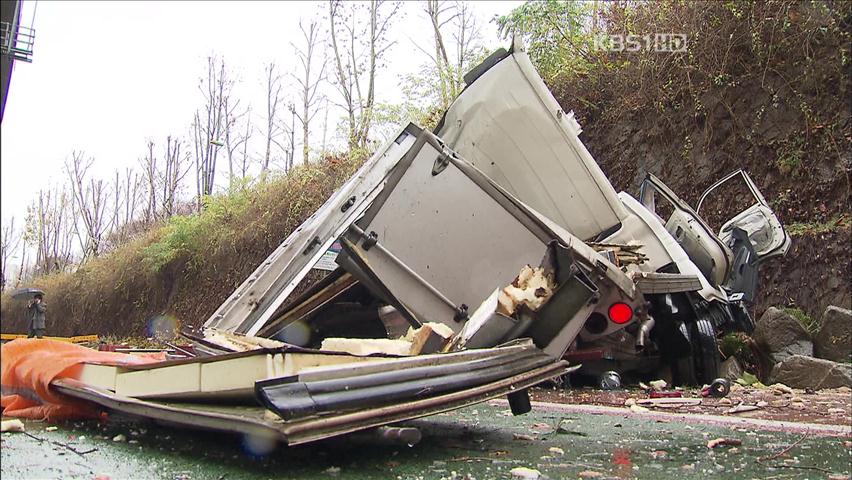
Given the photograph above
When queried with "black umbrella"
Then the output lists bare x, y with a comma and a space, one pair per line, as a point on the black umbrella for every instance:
26, 293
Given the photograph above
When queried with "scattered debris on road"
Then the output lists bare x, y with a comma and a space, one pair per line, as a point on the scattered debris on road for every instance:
724, 442
13, 425
525, 473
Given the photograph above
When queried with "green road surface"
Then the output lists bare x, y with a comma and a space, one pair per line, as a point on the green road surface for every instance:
480, 442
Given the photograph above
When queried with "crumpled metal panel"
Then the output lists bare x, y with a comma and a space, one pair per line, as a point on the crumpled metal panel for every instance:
255, 301
509, 126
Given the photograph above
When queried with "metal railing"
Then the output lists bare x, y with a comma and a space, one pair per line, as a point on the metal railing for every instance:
18, 42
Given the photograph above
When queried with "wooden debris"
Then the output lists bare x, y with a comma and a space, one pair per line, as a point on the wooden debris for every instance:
669, 402
430, 338
724, 442
532, 288
239, 343
367, 346
623, 254
740, 408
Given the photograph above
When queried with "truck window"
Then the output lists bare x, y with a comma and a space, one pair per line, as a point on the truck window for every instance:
725, 202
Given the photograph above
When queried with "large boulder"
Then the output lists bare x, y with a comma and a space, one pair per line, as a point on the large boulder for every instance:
834, 339
780, 335
799, 371
731, 369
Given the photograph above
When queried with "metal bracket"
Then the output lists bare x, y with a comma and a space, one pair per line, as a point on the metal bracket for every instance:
348, 204
440, 163
461, 313
370, 240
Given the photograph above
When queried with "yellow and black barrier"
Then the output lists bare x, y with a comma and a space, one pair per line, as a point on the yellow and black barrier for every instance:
78, 339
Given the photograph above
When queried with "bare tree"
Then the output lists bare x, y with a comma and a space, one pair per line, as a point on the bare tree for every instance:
90, 204
209, 125
162, 182
235, 140
308, 82
290, 152
10, 239
234, 136
149, 179
456, 17
22, 268
359, 40
49, 231
118, 197
174, 170
244, 157
467, 38
132, 191
126, 193
274, 128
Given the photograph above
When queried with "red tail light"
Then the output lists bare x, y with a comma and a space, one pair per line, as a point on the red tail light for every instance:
620, 313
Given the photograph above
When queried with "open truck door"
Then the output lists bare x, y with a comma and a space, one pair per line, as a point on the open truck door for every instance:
759, 222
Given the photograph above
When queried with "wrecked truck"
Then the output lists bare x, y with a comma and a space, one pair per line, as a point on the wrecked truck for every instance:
456, 266
437, 225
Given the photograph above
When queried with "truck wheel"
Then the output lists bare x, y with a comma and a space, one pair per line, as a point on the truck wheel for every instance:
683, 368
705, 352
683, 371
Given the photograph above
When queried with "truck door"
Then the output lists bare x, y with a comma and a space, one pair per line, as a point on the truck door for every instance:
758, 221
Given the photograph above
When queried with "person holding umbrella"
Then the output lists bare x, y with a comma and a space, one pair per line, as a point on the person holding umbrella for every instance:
36, 309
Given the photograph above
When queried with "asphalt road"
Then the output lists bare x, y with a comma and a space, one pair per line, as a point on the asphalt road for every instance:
480, 442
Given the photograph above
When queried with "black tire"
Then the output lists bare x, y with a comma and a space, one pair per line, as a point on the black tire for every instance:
683, 368
705, 353
683, 371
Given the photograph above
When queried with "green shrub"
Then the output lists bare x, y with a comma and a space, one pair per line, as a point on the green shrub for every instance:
188, 236
809, 323
735, 344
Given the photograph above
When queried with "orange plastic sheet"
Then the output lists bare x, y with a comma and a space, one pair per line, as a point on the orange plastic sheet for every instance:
27, 366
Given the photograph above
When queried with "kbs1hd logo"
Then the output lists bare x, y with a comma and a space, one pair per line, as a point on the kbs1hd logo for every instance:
652, 42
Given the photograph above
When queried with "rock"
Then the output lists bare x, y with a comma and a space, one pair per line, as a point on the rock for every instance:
589, 474
13, 425
658, 385
731, 369
781, 336
834, 339
119, 438
781, 389
799, 371
525, 473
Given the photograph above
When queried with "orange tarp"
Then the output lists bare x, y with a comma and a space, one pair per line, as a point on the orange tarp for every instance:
27, 367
